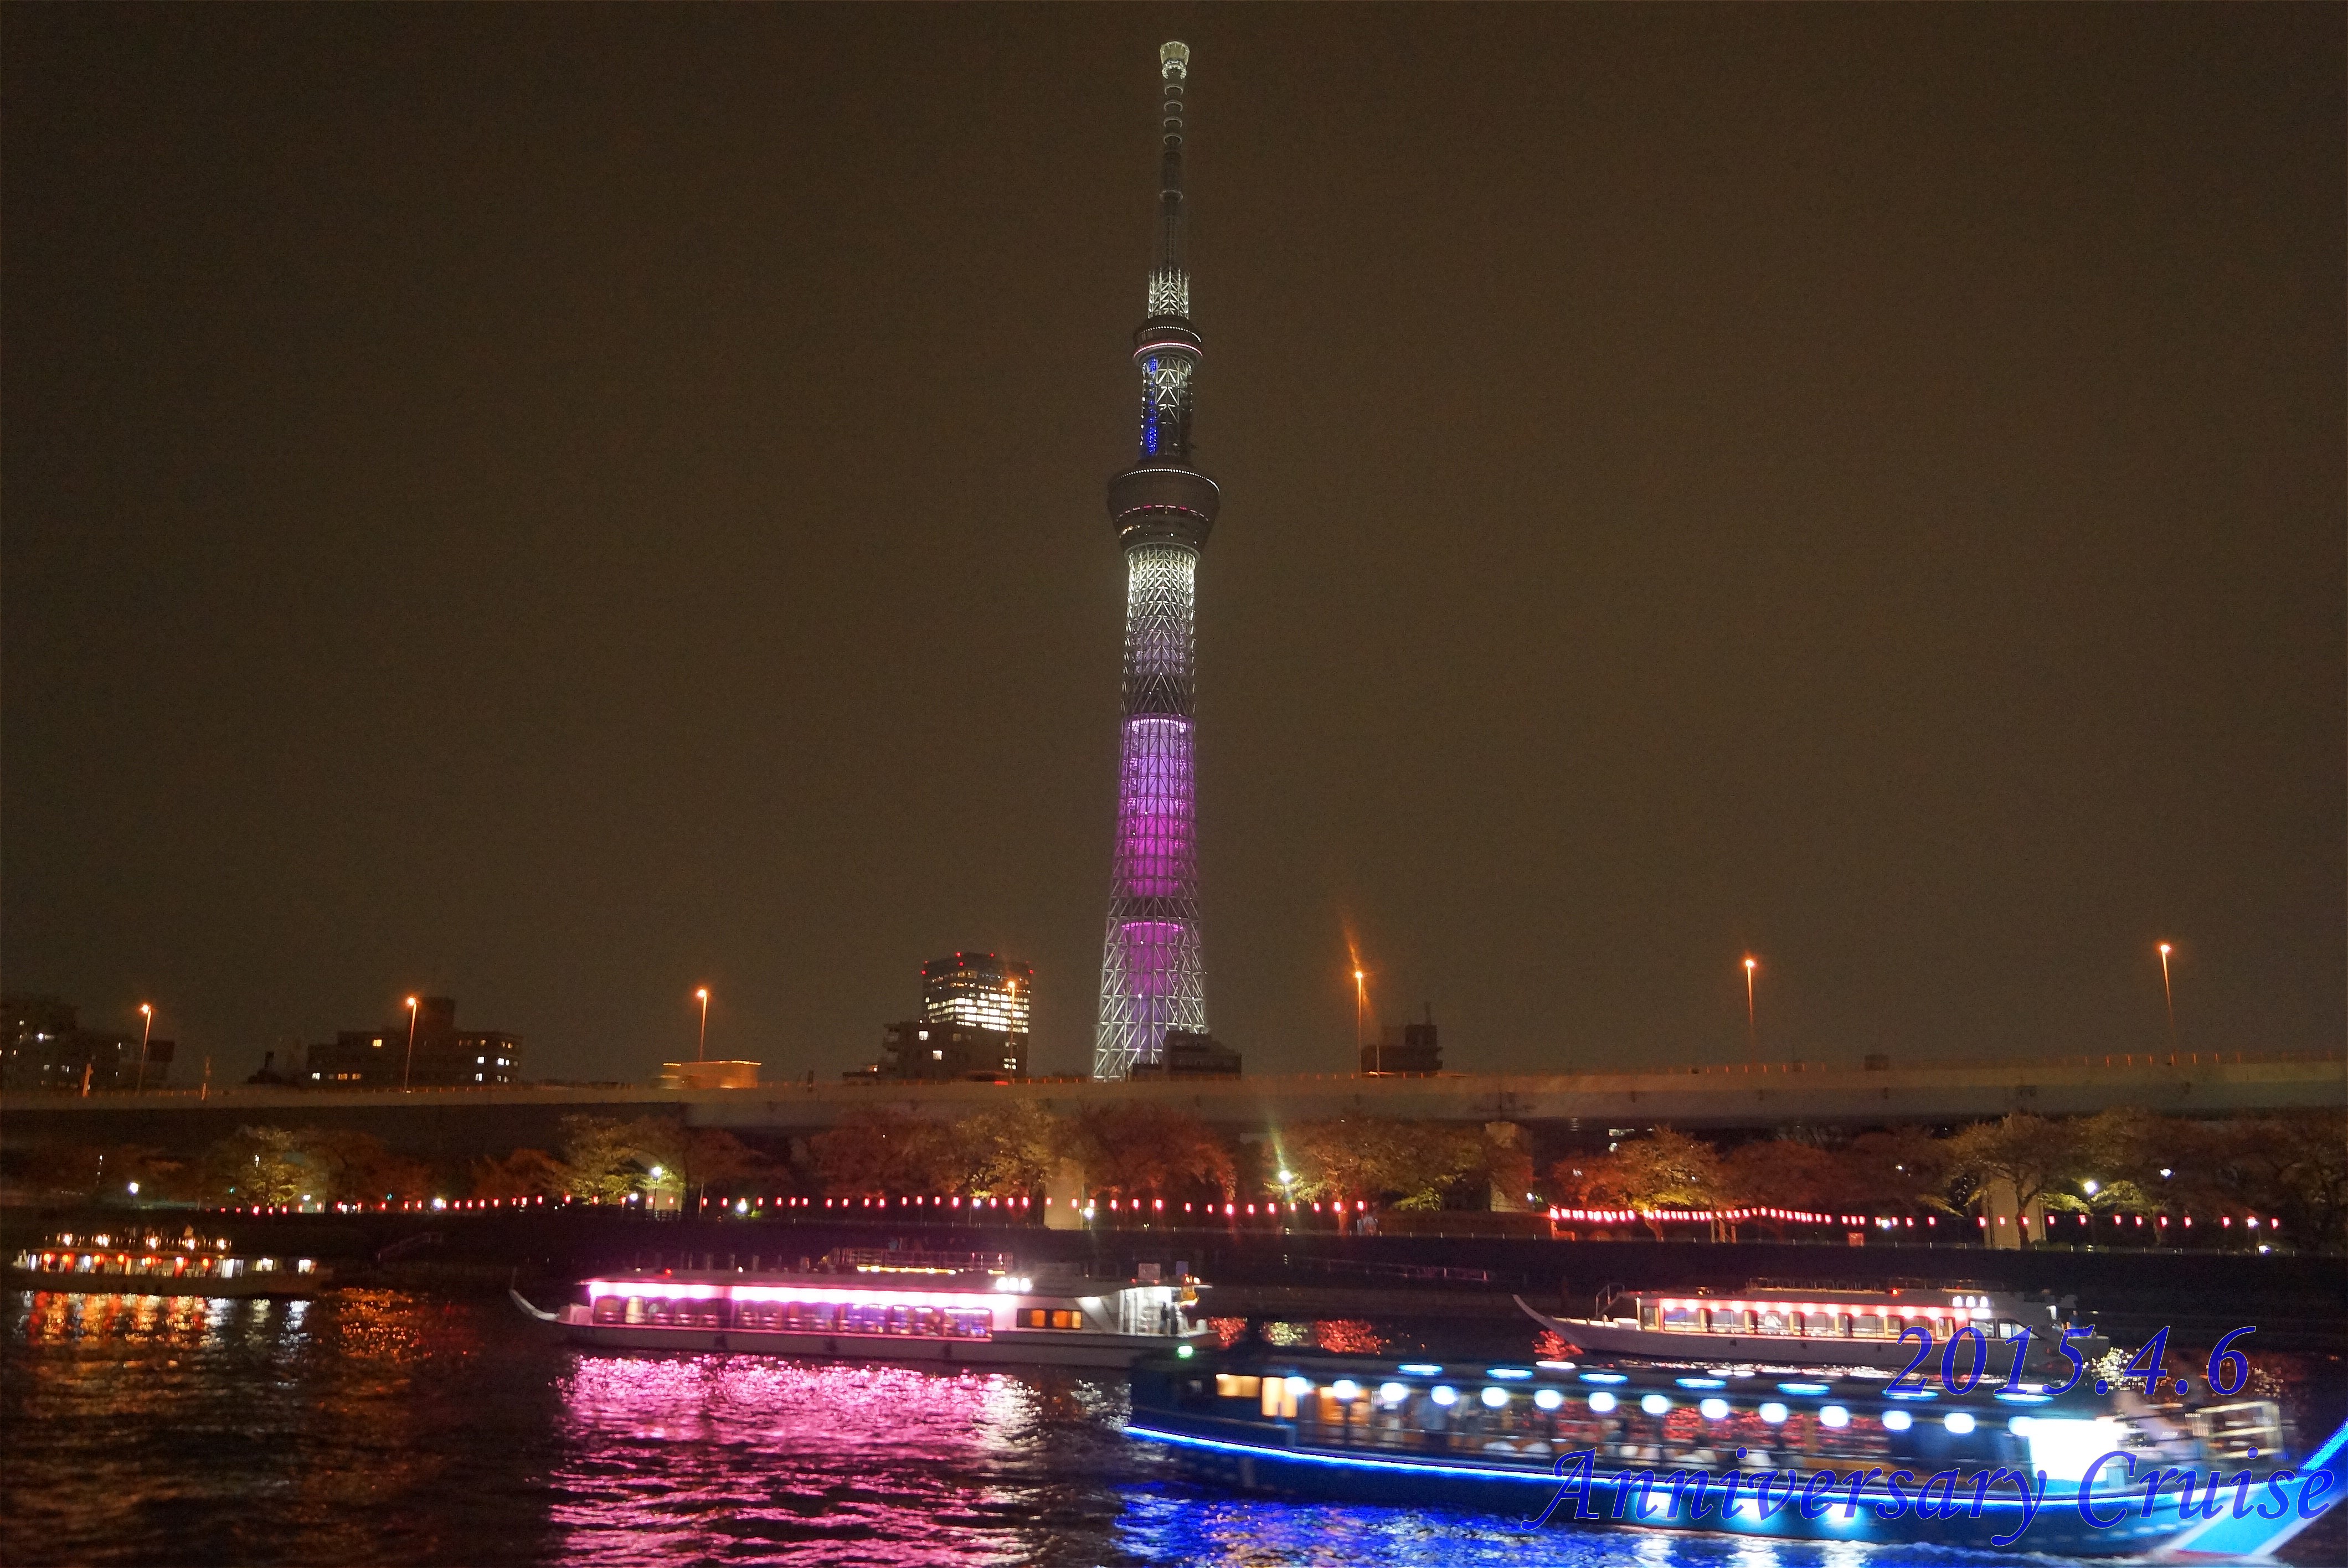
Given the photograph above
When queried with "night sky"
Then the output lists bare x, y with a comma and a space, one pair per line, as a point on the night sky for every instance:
556, 505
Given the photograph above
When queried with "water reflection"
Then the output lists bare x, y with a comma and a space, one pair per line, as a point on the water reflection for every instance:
395, 1429
752, 1459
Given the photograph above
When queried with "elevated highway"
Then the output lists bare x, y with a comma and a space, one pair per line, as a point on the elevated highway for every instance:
468, 1123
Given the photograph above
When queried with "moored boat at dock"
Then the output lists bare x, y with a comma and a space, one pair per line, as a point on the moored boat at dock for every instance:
959, 1309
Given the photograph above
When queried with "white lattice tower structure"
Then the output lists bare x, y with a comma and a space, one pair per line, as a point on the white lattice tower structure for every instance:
1153, 971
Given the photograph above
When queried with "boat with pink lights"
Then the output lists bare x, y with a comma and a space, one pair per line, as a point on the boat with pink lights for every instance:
966, 1309
1807, 1327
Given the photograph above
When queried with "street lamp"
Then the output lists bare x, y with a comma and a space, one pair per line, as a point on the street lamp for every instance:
1361, 1004
1752, 1033
2168, 997
408, 1070
701, 1046
146, 1028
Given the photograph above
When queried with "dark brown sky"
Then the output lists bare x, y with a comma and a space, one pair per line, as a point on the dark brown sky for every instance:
558, 505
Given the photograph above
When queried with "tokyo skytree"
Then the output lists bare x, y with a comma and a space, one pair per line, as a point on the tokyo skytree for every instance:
1153, 973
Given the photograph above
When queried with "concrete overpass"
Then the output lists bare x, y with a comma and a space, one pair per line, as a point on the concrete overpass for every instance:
457, 1123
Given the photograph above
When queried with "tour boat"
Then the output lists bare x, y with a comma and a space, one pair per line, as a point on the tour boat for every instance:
1625, 1445
961, 1309
1828, 1328
151, 1264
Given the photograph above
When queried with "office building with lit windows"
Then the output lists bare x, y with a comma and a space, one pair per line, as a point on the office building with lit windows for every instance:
980, 990
921, 1049
973, 1024
443, 1057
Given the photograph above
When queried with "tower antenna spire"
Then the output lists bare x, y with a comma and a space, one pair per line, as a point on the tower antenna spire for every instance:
1169, 277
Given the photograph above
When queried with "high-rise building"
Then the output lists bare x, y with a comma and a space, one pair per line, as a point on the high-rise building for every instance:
980, 990
973, 1024
1153, 972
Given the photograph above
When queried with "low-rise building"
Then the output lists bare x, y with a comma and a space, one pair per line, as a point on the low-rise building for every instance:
1190, 1055
429, 1052
44, 1046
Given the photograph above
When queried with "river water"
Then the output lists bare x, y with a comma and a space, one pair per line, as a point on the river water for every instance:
392, 1428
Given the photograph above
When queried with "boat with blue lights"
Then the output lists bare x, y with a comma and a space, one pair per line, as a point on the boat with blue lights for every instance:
965, 1309
1907, 1463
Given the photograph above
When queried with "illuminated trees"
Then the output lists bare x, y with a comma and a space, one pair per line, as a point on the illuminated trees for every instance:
1413, 1164
1144, 1150
1665, 1170
1010, 1152
881, 1154
1779, 1172
257, 1165
610, 1160
524, 1174
2035, 1158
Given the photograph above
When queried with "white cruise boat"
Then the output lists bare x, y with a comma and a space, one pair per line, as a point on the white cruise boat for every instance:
963, 1309
1778, 1326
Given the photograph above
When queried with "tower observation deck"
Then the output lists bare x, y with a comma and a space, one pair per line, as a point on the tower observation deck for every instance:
1153, 971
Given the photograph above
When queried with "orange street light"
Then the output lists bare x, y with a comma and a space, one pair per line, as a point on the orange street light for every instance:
2168, 996
700, 1047
1752, 1033
407, 1071
1360, 1005
146, 1028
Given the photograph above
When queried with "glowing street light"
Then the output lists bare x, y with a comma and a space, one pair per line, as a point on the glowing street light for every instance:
2168, 996
1361, 1006
1752, 1032
408, 1070
146, 1028
701, 1046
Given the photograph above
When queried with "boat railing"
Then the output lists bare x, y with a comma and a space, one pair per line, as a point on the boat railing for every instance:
1426, 1272
912, 1259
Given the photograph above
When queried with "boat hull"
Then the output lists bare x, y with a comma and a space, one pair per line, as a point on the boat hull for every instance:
1047, 1347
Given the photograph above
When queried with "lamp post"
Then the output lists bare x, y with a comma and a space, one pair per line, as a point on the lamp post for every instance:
408, 1071
701, 1045
146, 1028
1361, 1004
1752, 1030
2169, 997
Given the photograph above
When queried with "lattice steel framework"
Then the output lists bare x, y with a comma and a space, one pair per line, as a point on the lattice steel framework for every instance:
1153, 971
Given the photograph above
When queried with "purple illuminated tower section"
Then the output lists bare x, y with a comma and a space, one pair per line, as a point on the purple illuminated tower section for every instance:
1153, 973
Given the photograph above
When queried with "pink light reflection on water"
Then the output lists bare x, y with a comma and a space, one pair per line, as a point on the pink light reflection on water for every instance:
678, 1459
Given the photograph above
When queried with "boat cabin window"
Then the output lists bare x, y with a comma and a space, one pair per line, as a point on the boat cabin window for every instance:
1775, 1320
1049, 1317
1682, 1317
1733, 1320
1231, 1386
1868, 1325
1817, 1322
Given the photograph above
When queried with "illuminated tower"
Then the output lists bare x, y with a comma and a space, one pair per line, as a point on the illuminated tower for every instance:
1153, 973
